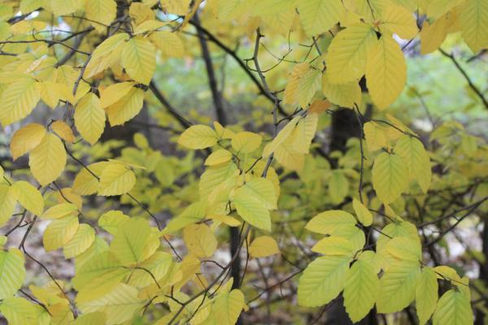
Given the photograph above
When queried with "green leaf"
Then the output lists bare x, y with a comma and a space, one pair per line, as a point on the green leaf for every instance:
323, 280
426, 294
361, 290
453, 308
390, 177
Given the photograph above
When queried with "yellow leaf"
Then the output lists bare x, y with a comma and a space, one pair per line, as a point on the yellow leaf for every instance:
63, 131
474, 24
426, 295
47, 161
114, 93
18, 100
59, 232
116, 179
200, 240
59, 211
169, 43
139, 59
26, 139
198, 137
140, 12
90, 118
218, 157
101, 12
291, 89
29, 197
386, 72
348, 52
7, 203
112, 220
81, 241
454, 308
433, 35
390, 177
176, 7
400, 21
227, 307
318, 16
246, 142
126, 108
344, 95
263, 246
363, 214
308, 85
376, 137
281, 137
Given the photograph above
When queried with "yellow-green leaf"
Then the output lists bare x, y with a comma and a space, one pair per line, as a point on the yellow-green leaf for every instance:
200, 240
390, 177
126, 108
246, 142
48, 159
398, 287
227, 307
7, 202
139, 59
29, 197
361, 290
59, 232
116, 179
363, 214
252, 209
344, 95
400, 21
474, 24
12, 272
218, 157
63, 131
90, 118
323, 280
386, 72
329, 221
130, 241
169, 43
453, 308
18, 100
59, 211
348, 52
114, 93
81, 241
413, 153
101, 12
318, 16
198, 137
263, 246
426, 295
19, 311
85, 182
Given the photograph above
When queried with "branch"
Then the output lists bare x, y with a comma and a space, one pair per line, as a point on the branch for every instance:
466, 76
171, 110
